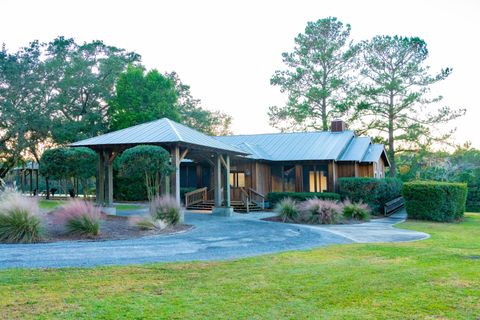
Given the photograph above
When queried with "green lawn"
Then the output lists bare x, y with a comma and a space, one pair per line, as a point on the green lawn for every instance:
52, 204
438, 278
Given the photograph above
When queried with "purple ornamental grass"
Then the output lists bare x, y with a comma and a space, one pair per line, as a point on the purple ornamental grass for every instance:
79, 217
318, 211
165, 208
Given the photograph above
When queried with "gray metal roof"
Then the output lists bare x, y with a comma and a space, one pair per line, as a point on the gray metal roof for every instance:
374, 153
356, 149
159, 131
293, 146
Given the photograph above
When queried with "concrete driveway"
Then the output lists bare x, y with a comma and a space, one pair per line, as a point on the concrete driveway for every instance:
213, 238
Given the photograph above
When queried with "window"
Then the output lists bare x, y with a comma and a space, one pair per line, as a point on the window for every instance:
237, 179
315, 178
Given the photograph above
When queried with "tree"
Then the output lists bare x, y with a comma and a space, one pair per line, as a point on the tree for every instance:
151, 163
395, 95
54, 165
193, 115
141, 98
318, 77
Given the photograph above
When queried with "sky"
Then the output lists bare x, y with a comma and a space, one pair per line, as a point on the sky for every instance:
227, 51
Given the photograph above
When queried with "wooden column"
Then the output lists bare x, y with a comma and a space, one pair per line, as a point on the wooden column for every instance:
227, 181
108, 180
31, 179
175, 152
218, 181
101, 178
36, 181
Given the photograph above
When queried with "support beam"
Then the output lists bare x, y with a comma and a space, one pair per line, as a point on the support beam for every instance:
100, 179
184, 153
108, 161
226, 188
218, 181
175, 153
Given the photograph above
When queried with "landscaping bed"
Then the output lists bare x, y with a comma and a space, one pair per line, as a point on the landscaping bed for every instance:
111, 228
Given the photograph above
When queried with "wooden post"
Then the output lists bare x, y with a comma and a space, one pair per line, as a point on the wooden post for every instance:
227, 181
101, 179
218, 181
31, 180
175, 152
36, 181
109, 178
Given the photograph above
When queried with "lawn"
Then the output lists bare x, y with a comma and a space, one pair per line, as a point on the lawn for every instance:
52, 204
438, 278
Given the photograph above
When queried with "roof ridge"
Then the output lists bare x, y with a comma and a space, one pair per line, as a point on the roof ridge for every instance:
281, 133
180, 138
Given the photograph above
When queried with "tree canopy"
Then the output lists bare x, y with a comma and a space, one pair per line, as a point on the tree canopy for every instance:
394, 95
318, 78
151, 163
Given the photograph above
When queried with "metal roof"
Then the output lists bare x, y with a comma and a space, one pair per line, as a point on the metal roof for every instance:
374, 152
296, 146
159, 131
356, 149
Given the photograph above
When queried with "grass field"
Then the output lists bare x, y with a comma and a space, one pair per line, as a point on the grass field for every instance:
52, 204
438, 278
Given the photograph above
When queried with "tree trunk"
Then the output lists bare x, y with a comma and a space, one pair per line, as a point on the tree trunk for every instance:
391, 146
47, 185
324, 115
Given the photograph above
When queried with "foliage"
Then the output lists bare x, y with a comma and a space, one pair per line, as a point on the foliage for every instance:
141, 97
149, 162
356, 210
435, 201
372, 191
395, 95
317, 211
287, 210
127, 188
193, 115
318, 79
79, 217
275, 197
55, 93
69, 163
147, 223
463, 165
165, 208
19, 218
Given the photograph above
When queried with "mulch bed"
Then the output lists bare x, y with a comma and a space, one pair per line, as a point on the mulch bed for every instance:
111, 228
278, 219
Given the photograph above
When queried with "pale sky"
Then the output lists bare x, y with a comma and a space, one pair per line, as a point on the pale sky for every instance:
228, 50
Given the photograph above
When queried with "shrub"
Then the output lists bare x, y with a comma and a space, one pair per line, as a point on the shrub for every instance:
473, 198
372, 191
436, 201
147, 223
275, 197
356, 210
165, 208
79, 217
287, 210
20, 220
319, 211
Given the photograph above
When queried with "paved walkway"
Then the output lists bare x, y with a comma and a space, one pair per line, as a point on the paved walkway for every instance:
213, 238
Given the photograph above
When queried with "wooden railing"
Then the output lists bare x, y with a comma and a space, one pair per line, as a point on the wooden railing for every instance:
245, 198
257, 197
195, 196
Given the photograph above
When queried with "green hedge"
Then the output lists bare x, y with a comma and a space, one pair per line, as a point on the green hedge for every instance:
473, 198
373, 191
129, 189
435, 201
274, 197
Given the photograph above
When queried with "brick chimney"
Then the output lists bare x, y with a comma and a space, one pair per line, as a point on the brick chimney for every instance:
338, 125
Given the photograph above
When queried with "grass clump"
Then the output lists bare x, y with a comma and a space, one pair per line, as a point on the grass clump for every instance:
80, 218
287, 210
165, 208
20, 220
318, 211
356, 210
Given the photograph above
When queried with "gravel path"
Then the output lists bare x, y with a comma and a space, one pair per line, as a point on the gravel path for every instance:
213, 238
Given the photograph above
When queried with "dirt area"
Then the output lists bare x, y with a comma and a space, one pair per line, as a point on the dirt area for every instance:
111, 228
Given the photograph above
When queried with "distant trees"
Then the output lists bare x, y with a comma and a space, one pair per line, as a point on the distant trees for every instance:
58, 92
381, 86
393, 96
318, 78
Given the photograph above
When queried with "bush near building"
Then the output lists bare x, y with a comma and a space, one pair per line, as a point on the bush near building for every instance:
372, 191
275, 197
435, 201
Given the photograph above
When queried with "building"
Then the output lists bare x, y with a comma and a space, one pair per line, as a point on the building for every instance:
243, 169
